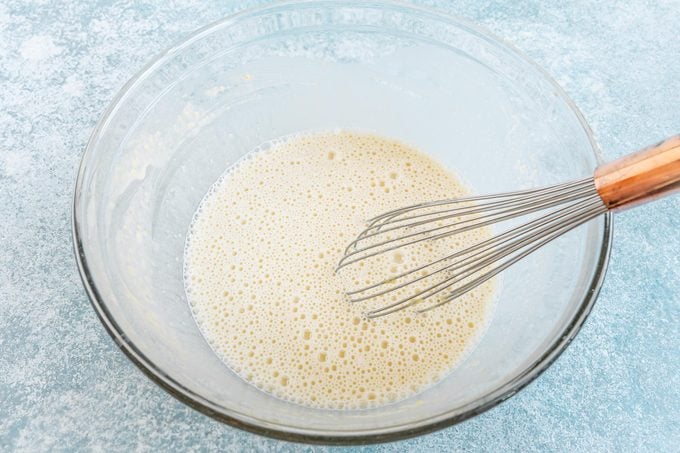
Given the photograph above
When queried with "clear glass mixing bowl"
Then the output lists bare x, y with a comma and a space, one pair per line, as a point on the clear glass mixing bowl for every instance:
439, 83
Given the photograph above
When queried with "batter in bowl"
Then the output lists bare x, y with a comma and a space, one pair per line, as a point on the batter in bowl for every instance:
260, 273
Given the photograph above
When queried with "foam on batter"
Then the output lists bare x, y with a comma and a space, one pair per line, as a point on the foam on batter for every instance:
259, 273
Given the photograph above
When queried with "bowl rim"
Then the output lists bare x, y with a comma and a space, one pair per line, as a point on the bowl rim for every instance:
296, 434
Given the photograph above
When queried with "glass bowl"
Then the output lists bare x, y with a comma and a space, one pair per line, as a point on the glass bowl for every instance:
432, 81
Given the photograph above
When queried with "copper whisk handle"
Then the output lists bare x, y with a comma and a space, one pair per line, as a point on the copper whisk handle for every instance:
640, 177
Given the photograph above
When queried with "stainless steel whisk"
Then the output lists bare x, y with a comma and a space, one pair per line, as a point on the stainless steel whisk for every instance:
633, 179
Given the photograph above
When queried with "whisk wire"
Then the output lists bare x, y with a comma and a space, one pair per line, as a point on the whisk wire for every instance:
535, 195
480, 262
492, 217
484, 245
574, 204
453, 213
500, 268
585, 181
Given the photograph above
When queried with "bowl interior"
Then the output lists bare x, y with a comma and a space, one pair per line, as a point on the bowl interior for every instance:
476, 105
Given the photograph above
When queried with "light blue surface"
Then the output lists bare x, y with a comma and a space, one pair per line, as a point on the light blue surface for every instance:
64, 384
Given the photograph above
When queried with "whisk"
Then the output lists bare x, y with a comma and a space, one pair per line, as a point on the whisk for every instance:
630, 180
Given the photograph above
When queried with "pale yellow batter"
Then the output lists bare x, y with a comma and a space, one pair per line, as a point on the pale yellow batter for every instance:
259, 273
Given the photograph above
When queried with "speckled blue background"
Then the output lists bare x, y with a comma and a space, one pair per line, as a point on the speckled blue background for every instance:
64, 385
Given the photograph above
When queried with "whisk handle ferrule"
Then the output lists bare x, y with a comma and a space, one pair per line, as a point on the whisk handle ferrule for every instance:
640, 177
